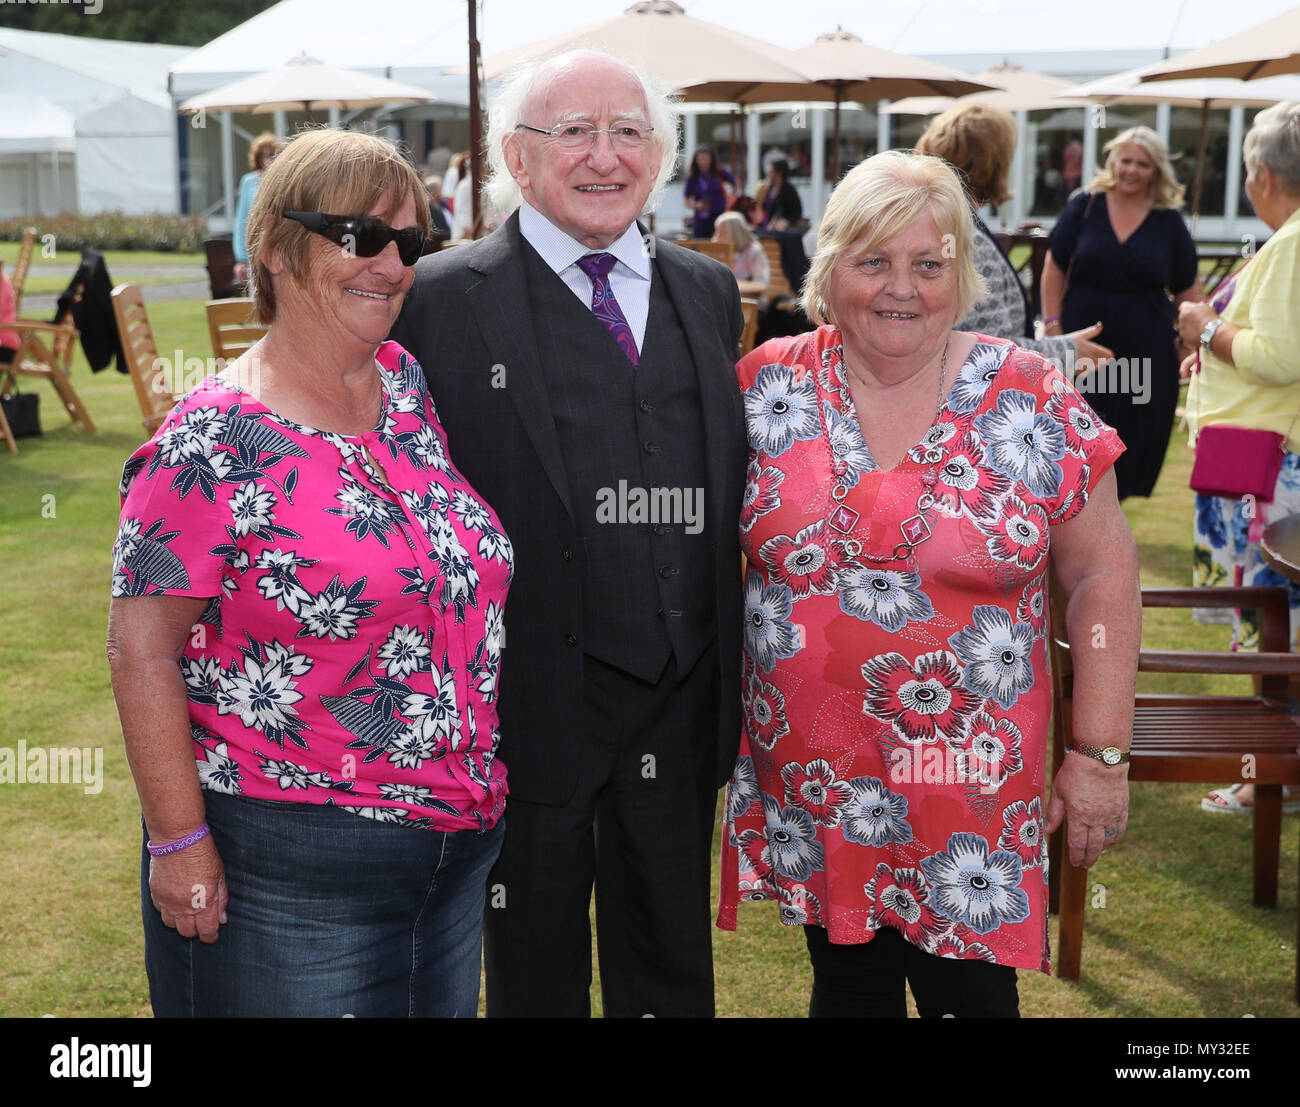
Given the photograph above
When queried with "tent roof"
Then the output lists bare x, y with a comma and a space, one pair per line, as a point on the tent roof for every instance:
137, 67
386, 35
33, 124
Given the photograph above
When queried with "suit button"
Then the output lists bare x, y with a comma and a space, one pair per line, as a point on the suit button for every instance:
666, 571
646, 406
567, 554
659, 528
571, 639
651, 448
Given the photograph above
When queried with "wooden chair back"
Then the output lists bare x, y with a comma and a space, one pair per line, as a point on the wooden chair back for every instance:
750, 308
778, 285
26, 246
724, 252
148, 371
220, 258
232, 327
1193, 738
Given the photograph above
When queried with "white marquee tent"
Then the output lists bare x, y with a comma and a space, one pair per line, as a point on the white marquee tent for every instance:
85, 125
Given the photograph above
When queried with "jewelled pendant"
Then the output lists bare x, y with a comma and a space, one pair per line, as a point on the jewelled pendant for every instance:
843, 519
915, 530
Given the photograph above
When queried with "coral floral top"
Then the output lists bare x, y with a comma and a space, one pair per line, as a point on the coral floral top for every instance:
896, 707
350, 650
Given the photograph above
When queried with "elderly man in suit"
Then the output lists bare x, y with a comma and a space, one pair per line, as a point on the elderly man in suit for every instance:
584, 372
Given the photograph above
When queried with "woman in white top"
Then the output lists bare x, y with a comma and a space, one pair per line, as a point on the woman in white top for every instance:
749, 262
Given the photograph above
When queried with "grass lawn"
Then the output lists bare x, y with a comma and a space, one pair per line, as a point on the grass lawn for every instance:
1176, 935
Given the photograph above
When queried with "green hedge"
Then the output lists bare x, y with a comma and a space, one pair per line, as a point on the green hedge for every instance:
114, 230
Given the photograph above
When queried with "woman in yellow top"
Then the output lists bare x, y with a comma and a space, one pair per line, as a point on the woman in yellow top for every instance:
1246, 373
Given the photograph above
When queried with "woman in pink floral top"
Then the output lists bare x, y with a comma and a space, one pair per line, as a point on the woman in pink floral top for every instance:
309, 597
906, 482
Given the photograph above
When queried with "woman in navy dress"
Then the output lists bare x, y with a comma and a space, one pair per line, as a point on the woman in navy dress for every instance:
1121, 255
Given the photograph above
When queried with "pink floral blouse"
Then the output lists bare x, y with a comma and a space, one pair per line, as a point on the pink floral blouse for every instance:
350, 650
892, 768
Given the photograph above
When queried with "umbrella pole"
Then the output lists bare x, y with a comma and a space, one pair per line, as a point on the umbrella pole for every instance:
1200, 165
731, 157
835, 147
475, 119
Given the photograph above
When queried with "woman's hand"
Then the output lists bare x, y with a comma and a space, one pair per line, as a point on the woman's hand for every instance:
1084, 347
241, 272
1188, 366
1093, 799
189, 890
1192, 317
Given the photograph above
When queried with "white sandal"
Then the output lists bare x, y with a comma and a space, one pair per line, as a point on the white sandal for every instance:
1224, 801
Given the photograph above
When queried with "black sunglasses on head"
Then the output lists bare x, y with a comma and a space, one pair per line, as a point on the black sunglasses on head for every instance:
363, 235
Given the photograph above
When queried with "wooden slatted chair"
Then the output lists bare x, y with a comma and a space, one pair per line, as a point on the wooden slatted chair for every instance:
18, 280
777, 285
232, 326
747, 336
148, 371
1194, 738
45, 349
724, 252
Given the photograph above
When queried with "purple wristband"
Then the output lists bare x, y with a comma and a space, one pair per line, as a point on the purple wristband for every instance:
180, 843
1050, 319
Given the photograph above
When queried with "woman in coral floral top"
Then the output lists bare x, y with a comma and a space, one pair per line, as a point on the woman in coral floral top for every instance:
906, 483
306, 634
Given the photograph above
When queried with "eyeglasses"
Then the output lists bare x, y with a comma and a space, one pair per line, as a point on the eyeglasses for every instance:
364, 236
625, 134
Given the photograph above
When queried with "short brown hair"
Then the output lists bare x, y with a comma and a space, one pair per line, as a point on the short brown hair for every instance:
979, 141
337, 172
265, 147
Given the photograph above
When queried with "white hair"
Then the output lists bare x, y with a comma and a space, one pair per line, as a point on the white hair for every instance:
513, 94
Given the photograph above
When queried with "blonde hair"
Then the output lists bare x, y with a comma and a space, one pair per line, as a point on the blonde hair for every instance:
336, 172
265, 147
877, 200
979, 141
1274, 141
735, 229
1166, 192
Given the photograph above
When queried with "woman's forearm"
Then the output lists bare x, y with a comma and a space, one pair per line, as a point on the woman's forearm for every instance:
155, 718
1052, 289
146, 637
1104, 621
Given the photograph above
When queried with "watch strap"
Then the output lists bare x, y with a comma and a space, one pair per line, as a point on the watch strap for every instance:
1098, 753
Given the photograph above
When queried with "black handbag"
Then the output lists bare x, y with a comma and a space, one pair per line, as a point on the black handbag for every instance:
23, 412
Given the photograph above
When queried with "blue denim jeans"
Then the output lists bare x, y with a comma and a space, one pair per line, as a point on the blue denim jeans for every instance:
330, 914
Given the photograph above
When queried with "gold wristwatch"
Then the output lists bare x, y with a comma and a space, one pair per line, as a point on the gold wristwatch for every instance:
1109, 755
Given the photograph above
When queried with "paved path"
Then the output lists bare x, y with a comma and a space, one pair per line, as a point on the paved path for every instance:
43, 306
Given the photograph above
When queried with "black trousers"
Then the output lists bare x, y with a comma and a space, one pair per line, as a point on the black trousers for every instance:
869, 981
639, 827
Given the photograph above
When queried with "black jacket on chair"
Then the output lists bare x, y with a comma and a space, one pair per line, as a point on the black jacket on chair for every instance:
468, 318
93, 312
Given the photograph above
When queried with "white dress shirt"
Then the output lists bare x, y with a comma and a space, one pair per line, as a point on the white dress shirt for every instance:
629, 279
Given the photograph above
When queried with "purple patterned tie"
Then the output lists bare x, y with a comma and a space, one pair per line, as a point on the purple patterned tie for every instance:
603, 305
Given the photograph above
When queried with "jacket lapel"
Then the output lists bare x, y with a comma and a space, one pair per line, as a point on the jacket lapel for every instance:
501, 308
714, 361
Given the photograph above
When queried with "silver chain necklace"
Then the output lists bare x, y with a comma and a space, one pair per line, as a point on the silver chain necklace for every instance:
843, 519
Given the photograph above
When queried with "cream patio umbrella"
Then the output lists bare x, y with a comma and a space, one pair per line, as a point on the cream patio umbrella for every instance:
305, 84
1268, 49
701, 60
850, 69
1015, 89
1205, 93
